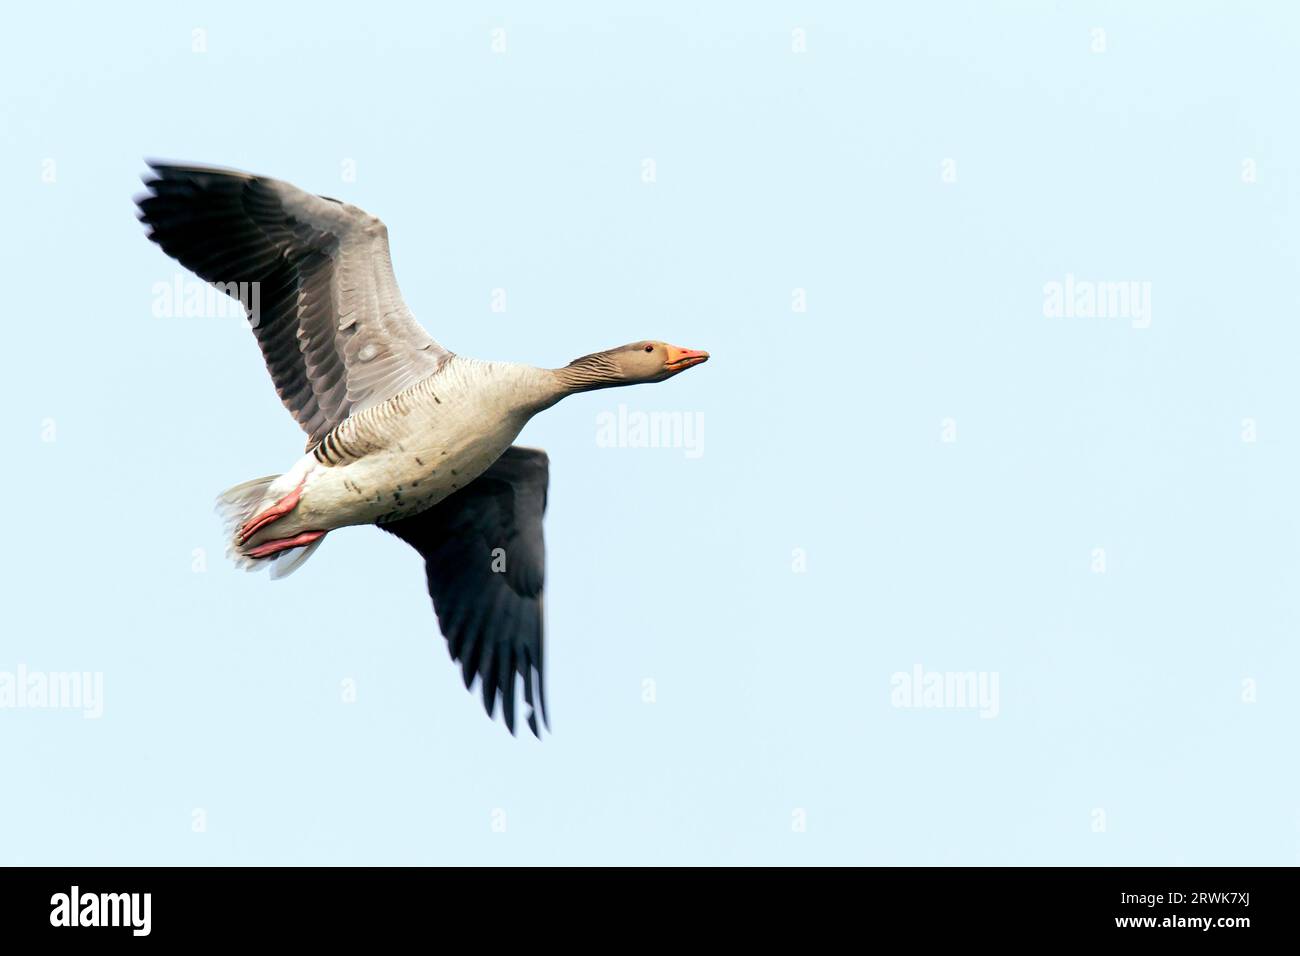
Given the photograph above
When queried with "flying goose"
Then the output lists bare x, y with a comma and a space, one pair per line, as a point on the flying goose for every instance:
401, 432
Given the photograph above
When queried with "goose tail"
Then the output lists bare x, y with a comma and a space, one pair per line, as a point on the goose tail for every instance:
236, 506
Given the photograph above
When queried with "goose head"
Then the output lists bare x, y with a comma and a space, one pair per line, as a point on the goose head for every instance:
631, 364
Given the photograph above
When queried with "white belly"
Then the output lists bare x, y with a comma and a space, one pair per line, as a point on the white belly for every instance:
404, 480
429, 451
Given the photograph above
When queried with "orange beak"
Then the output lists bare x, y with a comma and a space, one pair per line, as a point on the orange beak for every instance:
679, 359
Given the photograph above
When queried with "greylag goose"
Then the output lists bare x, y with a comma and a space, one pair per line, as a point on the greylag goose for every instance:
401, 432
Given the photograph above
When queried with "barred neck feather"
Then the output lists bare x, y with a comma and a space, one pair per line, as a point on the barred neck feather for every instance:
597, 370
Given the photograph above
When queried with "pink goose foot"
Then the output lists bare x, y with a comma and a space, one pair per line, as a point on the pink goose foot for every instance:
276, 545
273, 513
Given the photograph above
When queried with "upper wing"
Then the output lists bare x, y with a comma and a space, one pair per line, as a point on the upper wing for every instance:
331, 323
489, 601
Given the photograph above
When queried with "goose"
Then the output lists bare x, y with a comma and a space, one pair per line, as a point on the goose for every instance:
401, 432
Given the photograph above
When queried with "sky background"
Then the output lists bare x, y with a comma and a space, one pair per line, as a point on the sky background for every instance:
827, 537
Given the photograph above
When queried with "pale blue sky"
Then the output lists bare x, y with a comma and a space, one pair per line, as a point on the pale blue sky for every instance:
1120, 693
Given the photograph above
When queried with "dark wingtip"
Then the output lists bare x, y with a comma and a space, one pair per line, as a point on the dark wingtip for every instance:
158, 169
170, 168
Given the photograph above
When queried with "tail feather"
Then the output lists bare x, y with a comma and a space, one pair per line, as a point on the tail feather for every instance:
285, 563
236, 506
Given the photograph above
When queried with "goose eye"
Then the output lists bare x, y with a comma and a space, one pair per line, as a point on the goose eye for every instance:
649, 348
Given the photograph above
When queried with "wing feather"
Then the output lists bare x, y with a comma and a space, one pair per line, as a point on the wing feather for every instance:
491, 616
330, 320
